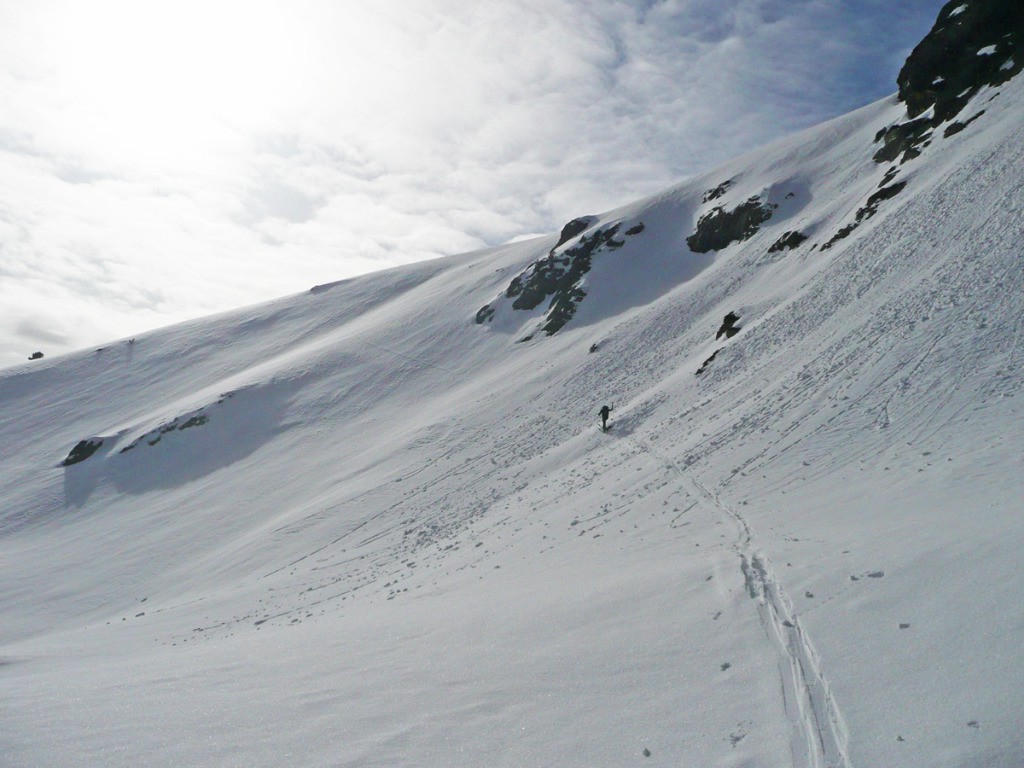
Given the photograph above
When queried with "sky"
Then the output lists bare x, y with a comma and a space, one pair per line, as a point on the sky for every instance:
163, 161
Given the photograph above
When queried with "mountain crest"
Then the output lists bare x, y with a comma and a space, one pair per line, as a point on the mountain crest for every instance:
974, 44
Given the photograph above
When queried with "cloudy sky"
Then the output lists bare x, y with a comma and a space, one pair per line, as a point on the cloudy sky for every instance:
165, 160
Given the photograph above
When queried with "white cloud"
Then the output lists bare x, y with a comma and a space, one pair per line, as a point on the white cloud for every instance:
164, 160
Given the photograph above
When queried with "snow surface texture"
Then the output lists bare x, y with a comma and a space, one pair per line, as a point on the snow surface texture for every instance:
355, 527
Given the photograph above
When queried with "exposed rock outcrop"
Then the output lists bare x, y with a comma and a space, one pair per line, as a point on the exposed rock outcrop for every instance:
788, 240
82, 451
717, 192
719, 228
728, 328
973, 44
196, 419
575, 227
558, 277
706, 363
866, 211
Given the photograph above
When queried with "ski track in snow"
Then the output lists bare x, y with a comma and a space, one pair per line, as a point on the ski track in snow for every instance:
820, 738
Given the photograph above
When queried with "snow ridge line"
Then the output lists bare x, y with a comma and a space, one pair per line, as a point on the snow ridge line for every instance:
817, 722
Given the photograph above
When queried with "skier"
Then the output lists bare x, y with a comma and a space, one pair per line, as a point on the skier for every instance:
605, 410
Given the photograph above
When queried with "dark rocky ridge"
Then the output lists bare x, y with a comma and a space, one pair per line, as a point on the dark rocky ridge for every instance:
575, 227
866, 211
945, 71
706, 363
82, 451
717, 192
179, 423
788, 240
558, 275
719, 228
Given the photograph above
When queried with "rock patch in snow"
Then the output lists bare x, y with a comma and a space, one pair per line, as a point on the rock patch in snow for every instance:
955, 128
788, 240
82, 451
706, 363
719, 228
717, 192
728, 328
179, 423
971, 46
558, 277
865, 212
575, 227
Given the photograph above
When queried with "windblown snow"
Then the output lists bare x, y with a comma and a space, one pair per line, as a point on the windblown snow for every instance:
357, 527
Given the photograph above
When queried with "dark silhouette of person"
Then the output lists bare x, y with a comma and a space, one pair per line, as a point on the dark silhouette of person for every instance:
605, 410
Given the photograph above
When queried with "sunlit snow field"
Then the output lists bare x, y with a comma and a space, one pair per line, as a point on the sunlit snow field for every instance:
392, 536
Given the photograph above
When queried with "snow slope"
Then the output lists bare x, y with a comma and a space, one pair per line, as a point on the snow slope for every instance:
356, 527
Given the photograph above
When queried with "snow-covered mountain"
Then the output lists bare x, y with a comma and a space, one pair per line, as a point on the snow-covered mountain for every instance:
377, 523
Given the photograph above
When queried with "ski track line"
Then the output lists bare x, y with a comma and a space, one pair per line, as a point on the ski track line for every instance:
820, 738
